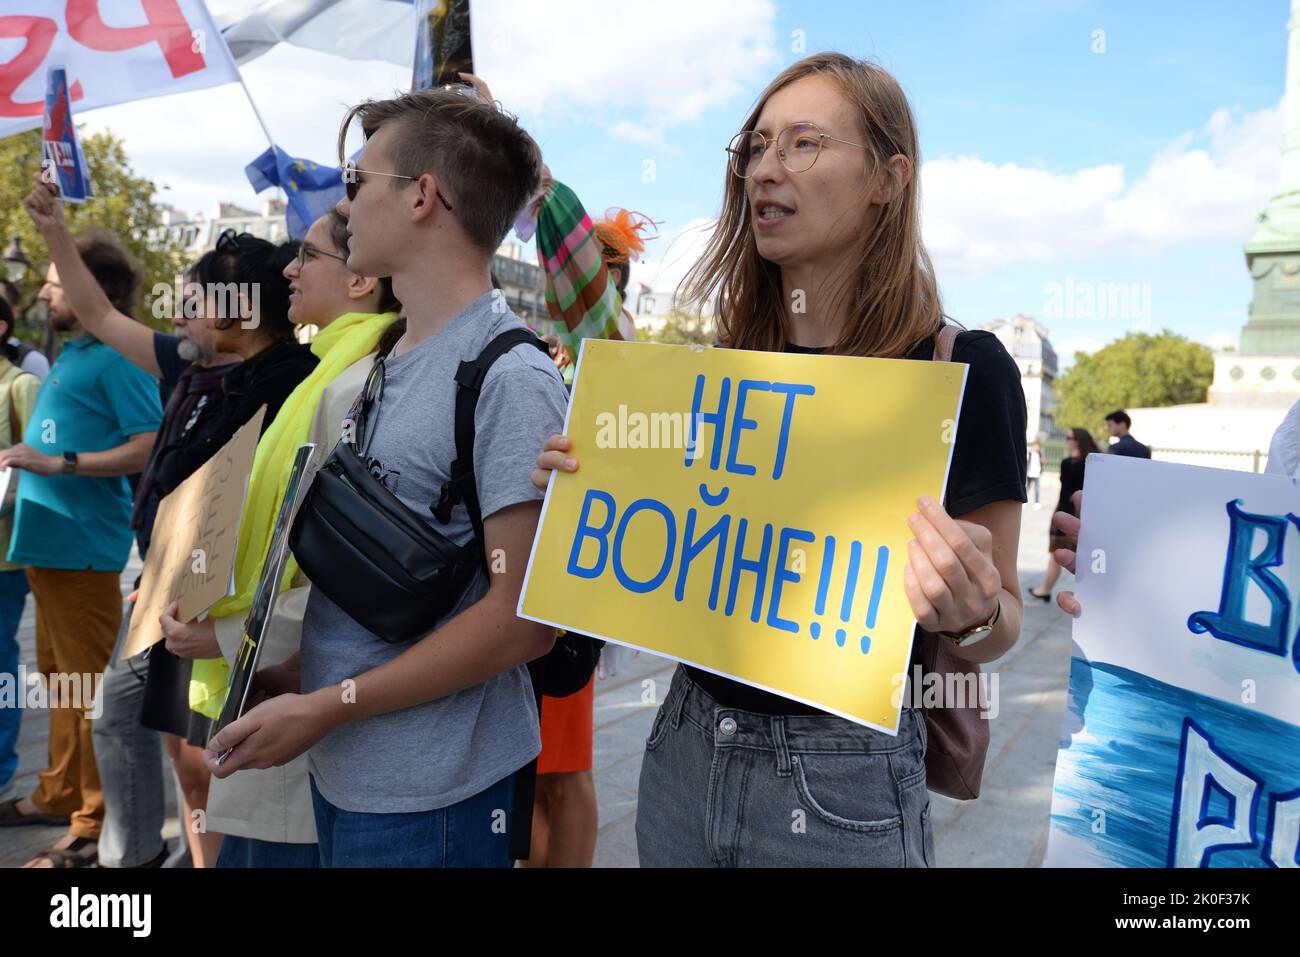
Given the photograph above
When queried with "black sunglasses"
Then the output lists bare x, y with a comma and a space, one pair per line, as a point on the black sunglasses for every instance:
232, 242
352, 182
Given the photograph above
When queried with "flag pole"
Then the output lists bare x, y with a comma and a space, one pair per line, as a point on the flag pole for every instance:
262, 123
256, 112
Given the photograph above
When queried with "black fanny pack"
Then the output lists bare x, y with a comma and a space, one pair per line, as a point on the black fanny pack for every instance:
383, 563
374, 557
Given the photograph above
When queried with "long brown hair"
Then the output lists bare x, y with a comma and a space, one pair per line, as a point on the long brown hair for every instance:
1084, 440
894, 296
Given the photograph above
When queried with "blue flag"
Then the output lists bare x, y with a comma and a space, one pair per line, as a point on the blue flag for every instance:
312, 189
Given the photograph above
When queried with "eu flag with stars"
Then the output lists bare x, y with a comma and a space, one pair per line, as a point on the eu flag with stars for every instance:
311, 189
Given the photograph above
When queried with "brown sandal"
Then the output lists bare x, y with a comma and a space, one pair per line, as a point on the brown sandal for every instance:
10, 817
67, 858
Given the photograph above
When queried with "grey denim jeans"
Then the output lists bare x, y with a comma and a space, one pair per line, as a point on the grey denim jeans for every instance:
130, 759
722, 787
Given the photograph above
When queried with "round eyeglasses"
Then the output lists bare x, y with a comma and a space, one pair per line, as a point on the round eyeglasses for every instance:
797, 147
307, 252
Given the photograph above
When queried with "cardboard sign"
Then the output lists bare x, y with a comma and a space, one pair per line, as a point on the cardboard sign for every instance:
192, 554
63, 160
746, 513
1182, 727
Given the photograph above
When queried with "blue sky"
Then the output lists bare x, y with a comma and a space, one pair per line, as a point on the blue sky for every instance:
1046, 161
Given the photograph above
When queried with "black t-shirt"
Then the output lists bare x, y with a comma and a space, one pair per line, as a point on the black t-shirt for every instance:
214, 414
988, 465
1071, 482
167, 353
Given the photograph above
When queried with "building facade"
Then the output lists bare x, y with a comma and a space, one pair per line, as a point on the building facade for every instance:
1029, 343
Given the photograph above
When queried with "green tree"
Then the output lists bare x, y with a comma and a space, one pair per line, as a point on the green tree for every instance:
1138, 371
681, 328
123, 204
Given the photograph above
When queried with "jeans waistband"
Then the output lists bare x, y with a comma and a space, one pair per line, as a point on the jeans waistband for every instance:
735, 727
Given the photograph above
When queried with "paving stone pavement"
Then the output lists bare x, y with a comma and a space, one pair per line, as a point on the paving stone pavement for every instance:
1006, 827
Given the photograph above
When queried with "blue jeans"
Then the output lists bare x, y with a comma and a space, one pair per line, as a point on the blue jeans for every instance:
13, 595
473, 833
250, 852
722, 787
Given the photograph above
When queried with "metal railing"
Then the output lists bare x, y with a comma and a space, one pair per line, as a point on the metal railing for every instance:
1254, 461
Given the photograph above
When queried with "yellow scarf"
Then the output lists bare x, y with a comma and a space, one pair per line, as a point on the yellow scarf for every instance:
343, 342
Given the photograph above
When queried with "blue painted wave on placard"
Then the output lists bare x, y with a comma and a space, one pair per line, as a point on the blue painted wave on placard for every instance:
1129, 768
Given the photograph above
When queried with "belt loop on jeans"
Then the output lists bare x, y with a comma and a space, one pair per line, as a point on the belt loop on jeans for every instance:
683, 691
782, 749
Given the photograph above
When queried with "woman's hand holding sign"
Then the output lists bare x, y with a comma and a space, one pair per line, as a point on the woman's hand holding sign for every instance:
950, 577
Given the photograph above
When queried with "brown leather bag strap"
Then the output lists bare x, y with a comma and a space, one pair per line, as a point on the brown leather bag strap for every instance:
944, 340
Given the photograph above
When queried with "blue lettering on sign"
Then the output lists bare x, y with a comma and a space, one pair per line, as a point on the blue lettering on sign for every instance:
586, 530
1241, 569
707, 545
1204, 769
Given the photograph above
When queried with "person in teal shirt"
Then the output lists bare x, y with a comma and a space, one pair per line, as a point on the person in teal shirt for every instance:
94, 423
93, 401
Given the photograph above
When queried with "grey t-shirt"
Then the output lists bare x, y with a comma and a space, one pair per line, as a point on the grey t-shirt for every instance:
438, 753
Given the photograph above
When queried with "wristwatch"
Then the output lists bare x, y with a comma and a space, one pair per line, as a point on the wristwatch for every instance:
69, 463
978, 633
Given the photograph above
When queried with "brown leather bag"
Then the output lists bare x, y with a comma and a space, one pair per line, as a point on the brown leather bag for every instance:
958, 738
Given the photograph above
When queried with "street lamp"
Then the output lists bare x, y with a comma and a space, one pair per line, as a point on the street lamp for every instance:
16, 261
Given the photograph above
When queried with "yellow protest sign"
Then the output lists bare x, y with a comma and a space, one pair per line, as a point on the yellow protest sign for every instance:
746, 513
192, 550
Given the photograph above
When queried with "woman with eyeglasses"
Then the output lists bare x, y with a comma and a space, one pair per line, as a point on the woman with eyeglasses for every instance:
818, 250
266, 816
233, 352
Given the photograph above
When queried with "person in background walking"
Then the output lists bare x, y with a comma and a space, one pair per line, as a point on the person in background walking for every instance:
1117, 424
1079, 445
1034, 473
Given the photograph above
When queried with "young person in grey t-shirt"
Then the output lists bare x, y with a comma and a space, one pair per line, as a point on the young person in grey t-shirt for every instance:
413, 747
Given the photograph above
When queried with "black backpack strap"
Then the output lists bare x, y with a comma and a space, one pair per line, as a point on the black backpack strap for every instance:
470, 376
460, 487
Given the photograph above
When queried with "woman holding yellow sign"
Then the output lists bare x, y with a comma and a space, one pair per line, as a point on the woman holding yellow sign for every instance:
819, 251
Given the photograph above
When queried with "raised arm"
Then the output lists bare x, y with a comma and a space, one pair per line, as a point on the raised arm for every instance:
96, 314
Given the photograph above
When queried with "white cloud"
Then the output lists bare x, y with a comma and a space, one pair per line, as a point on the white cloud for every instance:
1219, 341
980, 216
1066, 348
672, 59
675, 256
639, 133
563, 59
